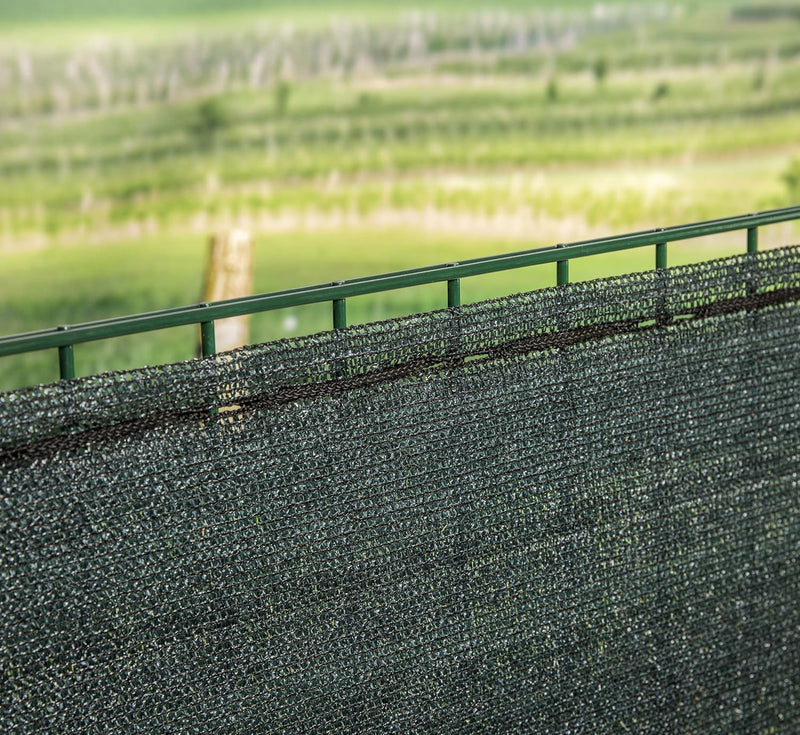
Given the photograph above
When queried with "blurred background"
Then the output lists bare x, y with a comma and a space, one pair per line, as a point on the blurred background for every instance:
360, 137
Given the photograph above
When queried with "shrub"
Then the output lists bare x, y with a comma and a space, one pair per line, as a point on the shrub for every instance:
210, 117
660, 91
283, 91
551, 93
600, 69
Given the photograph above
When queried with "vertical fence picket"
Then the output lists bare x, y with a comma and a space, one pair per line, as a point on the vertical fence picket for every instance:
562, 269
752, 239
208, 339
339, 313
661, 255
66, 359
453, 292
208, 345
562, 272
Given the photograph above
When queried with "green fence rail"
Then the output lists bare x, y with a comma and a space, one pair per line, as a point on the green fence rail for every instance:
65, 337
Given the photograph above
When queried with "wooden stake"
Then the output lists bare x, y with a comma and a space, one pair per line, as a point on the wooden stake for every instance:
229, 274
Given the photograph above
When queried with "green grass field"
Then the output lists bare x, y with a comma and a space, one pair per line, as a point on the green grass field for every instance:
369, 139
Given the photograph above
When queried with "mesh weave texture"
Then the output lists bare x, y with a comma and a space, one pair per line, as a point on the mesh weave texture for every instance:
569, 511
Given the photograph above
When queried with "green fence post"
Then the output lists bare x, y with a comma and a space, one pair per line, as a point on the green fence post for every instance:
66, 359
208, 345
562, 270
208, 338
339, 310
453, 290
752, 239
339, 313
661, 255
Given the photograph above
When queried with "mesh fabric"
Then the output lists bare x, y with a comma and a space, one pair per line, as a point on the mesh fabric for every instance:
571, 511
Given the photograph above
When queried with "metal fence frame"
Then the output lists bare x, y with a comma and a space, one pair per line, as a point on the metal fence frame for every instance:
65, 337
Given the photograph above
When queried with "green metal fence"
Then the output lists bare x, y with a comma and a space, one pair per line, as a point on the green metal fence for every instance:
65, 337
567, 510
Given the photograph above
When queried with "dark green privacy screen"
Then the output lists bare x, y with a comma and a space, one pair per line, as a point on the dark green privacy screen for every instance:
570, 511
